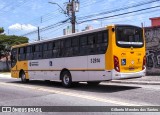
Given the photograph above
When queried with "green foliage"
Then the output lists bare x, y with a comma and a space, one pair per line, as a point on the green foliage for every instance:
12, 40
6, 42
1, 30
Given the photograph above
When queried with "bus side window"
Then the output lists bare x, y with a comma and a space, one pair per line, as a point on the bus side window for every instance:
102, 42
29, 53
22, 55
56, 49
45, 46
68, 48
50, 48
105, 37
62, 48
45, 50
91, 43
83, 45
38, 51
75, 46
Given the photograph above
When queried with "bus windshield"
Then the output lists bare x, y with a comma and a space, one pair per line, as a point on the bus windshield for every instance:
129, 36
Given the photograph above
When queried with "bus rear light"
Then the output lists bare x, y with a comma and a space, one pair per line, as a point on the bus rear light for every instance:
116, 64
144, 63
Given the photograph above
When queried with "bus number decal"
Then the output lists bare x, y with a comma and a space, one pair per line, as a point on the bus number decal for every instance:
95, 60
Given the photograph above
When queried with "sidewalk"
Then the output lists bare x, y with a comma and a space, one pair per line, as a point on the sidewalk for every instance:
147, 80
5, 75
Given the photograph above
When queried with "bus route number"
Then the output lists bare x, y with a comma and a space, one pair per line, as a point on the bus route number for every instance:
95, 60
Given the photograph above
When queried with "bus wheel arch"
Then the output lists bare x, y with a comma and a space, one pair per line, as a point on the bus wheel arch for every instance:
22, 75
66, 78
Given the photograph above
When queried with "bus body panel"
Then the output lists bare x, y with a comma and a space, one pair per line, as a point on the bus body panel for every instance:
130, 60
120, 75
86, 67
21, 65
109, 51
49, 69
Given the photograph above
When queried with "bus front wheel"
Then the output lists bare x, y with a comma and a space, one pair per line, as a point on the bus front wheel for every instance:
66, 79
23, 77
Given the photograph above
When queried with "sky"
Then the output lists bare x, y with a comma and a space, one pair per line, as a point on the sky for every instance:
19, 17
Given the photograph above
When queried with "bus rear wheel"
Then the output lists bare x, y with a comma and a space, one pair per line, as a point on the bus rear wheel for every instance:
66, 79
23, 77
93, 83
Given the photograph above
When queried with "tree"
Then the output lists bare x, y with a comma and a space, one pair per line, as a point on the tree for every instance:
1, 30
6, 42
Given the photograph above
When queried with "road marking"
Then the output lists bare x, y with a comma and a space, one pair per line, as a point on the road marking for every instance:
109, 100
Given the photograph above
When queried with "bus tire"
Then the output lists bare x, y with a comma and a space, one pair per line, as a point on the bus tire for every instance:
66, 79
23, 77
93, 83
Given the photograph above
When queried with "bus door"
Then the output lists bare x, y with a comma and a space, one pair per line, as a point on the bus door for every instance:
14, 72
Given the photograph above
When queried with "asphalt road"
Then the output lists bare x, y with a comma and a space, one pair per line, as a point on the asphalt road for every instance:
42, 93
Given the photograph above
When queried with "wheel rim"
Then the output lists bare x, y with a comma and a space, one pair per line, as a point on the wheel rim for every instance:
23, 77
66, 79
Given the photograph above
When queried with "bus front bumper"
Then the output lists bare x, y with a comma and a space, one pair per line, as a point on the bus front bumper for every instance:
119, 75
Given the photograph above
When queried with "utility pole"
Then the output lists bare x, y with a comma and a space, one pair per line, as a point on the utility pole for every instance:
39, 35
72, 7
73, 19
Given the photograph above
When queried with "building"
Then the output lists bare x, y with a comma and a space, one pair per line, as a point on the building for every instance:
68, 30
88, 28
155, 21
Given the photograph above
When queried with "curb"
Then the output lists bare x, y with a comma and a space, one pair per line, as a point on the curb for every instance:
5, 75
136, 82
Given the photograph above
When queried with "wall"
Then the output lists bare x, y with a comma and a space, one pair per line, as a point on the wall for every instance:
152, 35
155, 21
3, 66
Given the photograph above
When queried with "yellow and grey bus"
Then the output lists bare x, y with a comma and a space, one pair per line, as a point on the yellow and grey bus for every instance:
108, 53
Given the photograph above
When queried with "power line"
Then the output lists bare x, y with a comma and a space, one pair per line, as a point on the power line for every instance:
47, 27
119, 9
124, 20
13, 7
118, 14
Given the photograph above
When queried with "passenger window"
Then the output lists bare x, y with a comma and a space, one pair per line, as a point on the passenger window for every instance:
50, 46
75, 42
38, 52
22, 50
62, 43
83, 45
22, 55
99, 38
56, 49
83, 40
105, 37
68, 43
45, 47
75, 45
102, 42
91, 39
56, 44
38, 48
28, 49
